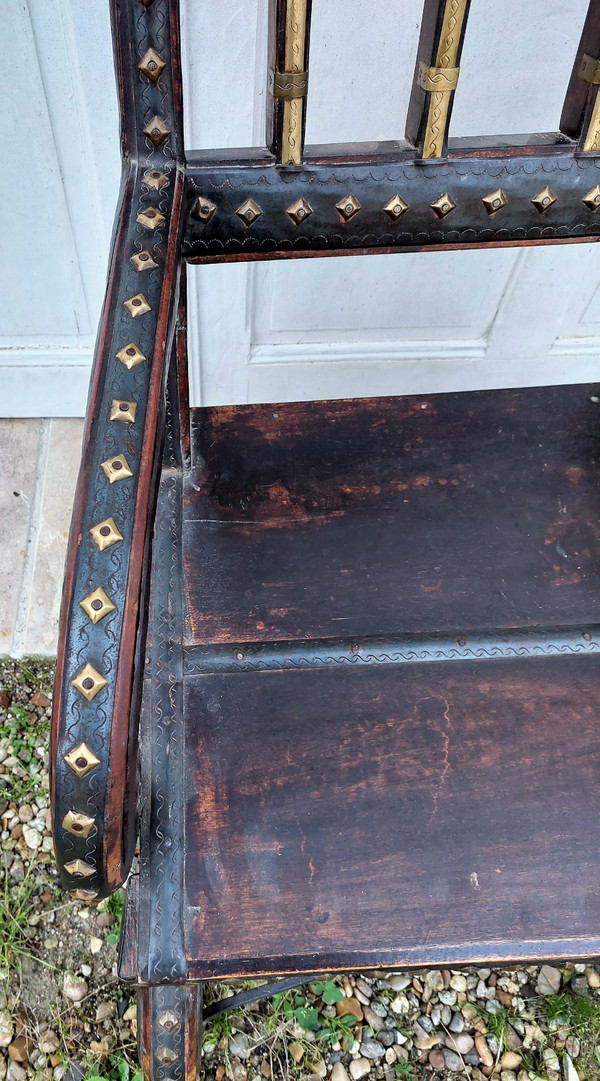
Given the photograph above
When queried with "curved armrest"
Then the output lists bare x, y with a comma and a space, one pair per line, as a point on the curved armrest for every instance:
94, 729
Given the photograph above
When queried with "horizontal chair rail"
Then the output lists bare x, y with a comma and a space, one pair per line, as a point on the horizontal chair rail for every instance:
385, 199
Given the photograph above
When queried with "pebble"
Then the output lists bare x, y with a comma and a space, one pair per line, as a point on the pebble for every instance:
569, 1071
359, 1067
436, 1059
350, 1005
435, 980
85, 970
446, 1015
425, 1024
399, 981
424, 1043
104, 1011
48, 1041
296, 1051
572, 1046
95, 944
551, 1059
483, 1051
458, 982
18, 1050
592, 978
318, 1067
74, 987
508, 1075
25, 813
32, 837
339, 1072
374, 1022
6, 1028
457, 1023
363, 986
461, 1043
448, 997
548, 980
452, 1061
15, 1072
239, 1046
400, 1004
510, 1061
371, 1048
580, 986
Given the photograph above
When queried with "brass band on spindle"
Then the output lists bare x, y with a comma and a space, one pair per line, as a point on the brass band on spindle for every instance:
440, 79
294, 60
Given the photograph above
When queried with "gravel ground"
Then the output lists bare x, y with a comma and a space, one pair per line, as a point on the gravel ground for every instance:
64, 1015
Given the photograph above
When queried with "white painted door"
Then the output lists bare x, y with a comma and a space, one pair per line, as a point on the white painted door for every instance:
310, 328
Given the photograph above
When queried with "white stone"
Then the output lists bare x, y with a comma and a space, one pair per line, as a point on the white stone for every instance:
359, 1067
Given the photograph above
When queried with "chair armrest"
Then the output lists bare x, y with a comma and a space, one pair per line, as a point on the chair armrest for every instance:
94, 728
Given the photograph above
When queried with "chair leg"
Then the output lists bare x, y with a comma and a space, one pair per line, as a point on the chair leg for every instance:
170, 1031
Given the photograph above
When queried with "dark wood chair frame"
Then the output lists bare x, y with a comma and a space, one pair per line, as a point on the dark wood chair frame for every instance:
122, 624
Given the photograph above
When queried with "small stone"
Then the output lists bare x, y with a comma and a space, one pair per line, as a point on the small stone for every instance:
363, 986
510, 1061
400, 1004
239, 1072
40, 699
25, 813
317, 1066
15, 1072
457, 1023
593, 978
452, 1061
339, 1072
435, 980
399, 981
458, 982
436, 1059
266, 1071
131, 1012
569, 1071
359, 1067
371, 1048
551, 1059
580, 986
239, 1046
548, 980
483, 1051
374, 1022
85, 969
424, 1043
350, 1005
390, 1056
296, 1051
482, 990
5, 699
95, 944
533, 1036
104, 1011
74, 987
572, 1046
508, 1075
6, 1028
448, 997
462, 1043
423, 1026
32, 838
18, 1050
484, 973
48, 1041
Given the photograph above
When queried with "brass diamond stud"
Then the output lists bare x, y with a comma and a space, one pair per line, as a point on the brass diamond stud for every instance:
78, 824
97, 605
168, 1020
142, 260
543, 200
203, 209
494, 201
152, 65
89, 896
592, 199
79, 869
150, 218
147, 3
166, 1056
348, 207
248, 212
124, 411
137, 305
443, 205
395, 208
157, 131
130, 355
299, 211
89, 682
155, 179
105, 534
81, 760
116, 468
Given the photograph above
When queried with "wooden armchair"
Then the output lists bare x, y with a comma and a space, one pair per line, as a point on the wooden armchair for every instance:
342, 656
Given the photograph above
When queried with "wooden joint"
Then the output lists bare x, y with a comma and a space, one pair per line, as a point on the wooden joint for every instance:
437, 80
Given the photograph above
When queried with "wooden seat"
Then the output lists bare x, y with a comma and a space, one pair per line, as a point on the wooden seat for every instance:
350, 649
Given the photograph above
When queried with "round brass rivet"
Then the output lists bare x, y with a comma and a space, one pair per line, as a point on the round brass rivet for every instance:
81, 763
150, 213
152, 65
155, 132
545, 201
117, 465
144, 257
97, 604
104, 531
130, 353
349, 208
123, 406
87, 684
155, 175
446, 206
397, 209
496, 202
76, 827
205, 209
136, 302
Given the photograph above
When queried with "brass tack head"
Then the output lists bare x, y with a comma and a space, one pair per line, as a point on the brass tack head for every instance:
395, 208
137, 305
299, 211
443, 205
77, 824
592, 199
204, 210
157, 131
123, 411
97, 605
89, 682
166, 1056
348, 207
155, 179
147, 3
152, 65
105, 534
142, 260
79, 869
130, 355
116, 468
544, 200
89, 896
248, 212
168, 1020
81, 760
150, 218
495, 201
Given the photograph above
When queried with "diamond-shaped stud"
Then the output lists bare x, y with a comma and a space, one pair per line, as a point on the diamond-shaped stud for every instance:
443, 205
168, 1020
494, 201
142, 260
150, 218
147, 3
97, 605
157, 131
81, 760
79, 869
78, 824
137, 305
116, 468
130, 355
592, 199
166, 1056
203, 209
105, 534
249, 211
348, 207
121, 410
152, 65
155, 179
88, 896
89, 682
299, 211
395, 208
544, 199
